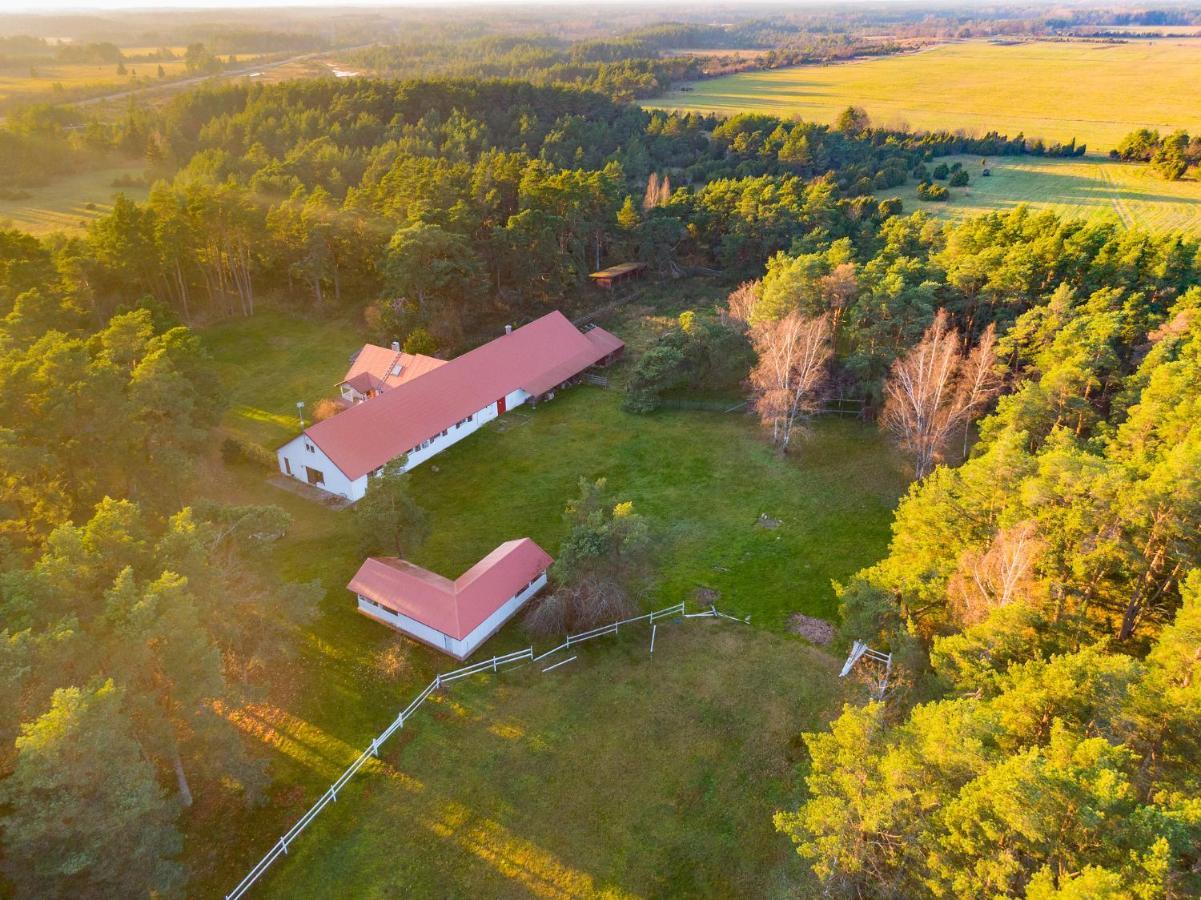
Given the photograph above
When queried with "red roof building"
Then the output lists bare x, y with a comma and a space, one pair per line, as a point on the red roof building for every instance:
452, 616
375, 369
423, 415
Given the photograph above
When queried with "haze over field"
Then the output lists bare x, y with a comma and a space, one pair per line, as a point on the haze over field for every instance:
1094, 92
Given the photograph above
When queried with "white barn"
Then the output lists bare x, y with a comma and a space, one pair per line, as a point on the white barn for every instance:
423, 414
452, 616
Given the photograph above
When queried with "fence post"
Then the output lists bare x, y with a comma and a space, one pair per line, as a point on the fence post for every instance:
375, 747
494, 664
284, 845
654, 628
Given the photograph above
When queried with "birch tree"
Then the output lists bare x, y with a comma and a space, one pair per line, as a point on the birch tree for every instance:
936, 389
793, 355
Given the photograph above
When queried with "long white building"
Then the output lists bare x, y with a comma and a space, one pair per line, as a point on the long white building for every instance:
404, 404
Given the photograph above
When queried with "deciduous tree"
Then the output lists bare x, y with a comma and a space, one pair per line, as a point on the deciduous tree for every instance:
793, 354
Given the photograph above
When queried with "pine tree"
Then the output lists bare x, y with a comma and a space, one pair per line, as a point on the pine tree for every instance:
86, 817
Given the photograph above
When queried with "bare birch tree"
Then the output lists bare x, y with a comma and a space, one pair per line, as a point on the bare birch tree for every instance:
658, 191
935, 389
793, 356
997, 575
741, 304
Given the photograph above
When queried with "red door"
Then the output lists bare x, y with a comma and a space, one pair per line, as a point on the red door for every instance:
500, 406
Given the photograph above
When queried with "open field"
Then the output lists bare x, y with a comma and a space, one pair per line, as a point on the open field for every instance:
1053, 90
701, 478
1085, 188
529, 784
69, 202
55, 82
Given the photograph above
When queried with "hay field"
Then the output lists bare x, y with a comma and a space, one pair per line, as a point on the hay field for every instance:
1082, 188
1094, 92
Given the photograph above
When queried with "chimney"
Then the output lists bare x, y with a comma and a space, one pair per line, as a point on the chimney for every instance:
396, 346
508, 329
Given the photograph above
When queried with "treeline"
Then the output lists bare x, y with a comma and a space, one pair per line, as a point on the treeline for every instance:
131, 624
445, 204
620, 68
1170, 156
883, 289
1041, 601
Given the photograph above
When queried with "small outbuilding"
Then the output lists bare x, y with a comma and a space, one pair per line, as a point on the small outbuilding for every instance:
606, 278
452, 616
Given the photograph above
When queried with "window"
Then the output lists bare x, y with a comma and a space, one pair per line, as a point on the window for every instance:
309, 447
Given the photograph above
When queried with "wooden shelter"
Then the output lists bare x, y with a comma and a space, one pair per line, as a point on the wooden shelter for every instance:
606, 278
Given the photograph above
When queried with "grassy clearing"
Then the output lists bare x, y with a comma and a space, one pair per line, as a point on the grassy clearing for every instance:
1053, 90
702, 478
70, 202
1085, 188
530, 784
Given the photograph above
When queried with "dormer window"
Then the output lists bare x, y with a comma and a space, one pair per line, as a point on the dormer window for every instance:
396, 370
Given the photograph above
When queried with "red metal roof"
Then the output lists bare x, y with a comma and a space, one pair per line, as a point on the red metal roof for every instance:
380, 363
456, 607
535, 358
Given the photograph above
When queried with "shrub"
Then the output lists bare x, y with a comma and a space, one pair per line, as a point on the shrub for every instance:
941, 171
325, 408
958, 179
927, 190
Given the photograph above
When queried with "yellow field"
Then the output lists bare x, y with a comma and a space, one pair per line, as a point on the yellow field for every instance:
1094, 92
17, 84
64, 204
68, 81
1081, 188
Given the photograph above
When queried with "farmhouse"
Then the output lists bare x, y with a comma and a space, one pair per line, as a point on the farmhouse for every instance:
391, 415
375, 369
452, 616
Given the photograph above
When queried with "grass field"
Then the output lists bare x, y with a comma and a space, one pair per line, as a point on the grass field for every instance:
702, 479
621, 774
1085, 188
1045, 89
69, 202
54, 82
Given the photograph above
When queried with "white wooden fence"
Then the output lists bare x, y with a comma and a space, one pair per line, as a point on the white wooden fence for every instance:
495, 664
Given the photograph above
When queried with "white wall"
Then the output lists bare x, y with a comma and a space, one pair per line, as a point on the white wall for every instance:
460, 649
337, 483
468, 645
297, 455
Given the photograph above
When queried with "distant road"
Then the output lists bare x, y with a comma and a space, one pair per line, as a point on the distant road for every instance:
231, 73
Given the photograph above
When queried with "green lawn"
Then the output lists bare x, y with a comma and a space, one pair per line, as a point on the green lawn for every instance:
1053, 90
620, 774
702, 479
269, 362
1087, 188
